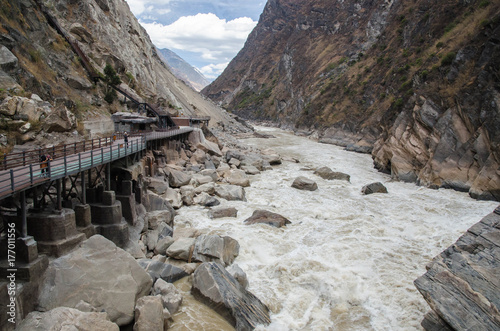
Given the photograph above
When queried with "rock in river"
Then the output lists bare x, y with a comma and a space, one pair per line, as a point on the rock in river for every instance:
218, 289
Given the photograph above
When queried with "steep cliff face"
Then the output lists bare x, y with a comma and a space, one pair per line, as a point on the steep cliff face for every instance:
415, 83
36, 58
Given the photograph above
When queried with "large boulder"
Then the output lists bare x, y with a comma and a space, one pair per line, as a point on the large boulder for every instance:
231, 192
327, 173
303, 183
218, 289
64, 318
8, 61
214, 248
156, 217
61, 120
99, 273
377, 187
170, 296
159, 270
178, 178
238, 177
149, 314
267, 217
181, 249
462, 284
223, 212
156, 202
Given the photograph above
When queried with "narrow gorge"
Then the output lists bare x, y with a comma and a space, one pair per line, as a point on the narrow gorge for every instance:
342, 173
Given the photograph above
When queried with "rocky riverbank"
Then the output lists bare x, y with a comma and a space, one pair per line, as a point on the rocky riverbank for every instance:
101, 286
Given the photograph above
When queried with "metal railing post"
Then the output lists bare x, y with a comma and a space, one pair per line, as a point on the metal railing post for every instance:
91, 158
12, 180
65, 166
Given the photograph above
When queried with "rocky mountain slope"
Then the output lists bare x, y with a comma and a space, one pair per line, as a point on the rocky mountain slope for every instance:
35, 58
414, 83
183, 70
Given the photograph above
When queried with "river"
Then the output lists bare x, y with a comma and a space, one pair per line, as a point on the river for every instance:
347, 261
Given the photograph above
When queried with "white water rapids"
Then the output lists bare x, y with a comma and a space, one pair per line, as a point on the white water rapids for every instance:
347, 261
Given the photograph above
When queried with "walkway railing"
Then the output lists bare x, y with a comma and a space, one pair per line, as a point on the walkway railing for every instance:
14, 160
24, 170
32, 175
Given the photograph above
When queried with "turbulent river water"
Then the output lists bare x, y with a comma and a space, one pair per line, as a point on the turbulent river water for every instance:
347, 261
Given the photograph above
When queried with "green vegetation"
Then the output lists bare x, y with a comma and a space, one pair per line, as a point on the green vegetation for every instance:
448, 58
111, 79
398, 103
483, 4
35, 55
450, 27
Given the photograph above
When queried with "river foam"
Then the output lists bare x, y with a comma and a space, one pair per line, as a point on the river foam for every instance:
347, 261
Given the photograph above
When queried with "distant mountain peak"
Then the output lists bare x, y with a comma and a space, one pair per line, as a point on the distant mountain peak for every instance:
183, 70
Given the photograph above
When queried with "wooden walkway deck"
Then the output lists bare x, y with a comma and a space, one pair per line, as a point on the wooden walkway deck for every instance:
26, 176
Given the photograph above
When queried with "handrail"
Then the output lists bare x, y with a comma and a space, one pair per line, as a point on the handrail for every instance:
25, 176
13, 160
31, 175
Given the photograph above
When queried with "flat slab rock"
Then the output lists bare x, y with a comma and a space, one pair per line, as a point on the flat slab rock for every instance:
267, 217
462, 284
217, 288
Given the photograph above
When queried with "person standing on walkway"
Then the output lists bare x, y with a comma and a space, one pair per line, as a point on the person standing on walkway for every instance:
125, 137
45, 164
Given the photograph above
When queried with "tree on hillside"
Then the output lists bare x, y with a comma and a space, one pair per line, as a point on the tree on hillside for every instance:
111, 79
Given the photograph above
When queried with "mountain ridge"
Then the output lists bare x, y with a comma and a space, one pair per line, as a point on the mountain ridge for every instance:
183, 70
415, 84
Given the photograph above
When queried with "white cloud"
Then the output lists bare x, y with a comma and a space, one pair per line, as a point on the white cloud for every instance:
212, 71
214, 39
137, 7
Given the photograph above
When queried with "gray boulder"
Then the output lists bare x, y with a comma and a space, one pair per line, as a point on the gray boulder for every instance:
90, 273
170, 296
462, 284
155, 218
238, 177
303, 183
149, 314
327, 173
181, 249
64, 318
374, 188
230, 192
218, 289
214, 248
250, 170
156, 202
238, 274
178, 178
267, 217
160, 270
163, 244
61, 120
8, 60
223, 212
204, 199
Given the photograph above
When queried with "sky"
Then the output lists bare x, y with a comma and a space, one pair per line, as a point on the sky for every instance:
206, 34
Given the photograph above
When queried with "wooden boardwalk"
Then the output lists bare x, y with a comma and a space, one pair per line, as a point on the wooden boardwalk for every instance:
30, 175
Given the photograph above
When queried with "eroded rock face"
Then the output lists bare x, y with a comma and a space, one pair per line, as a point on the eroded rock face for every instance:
99, 273
218, 289
441, 148
462, 285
